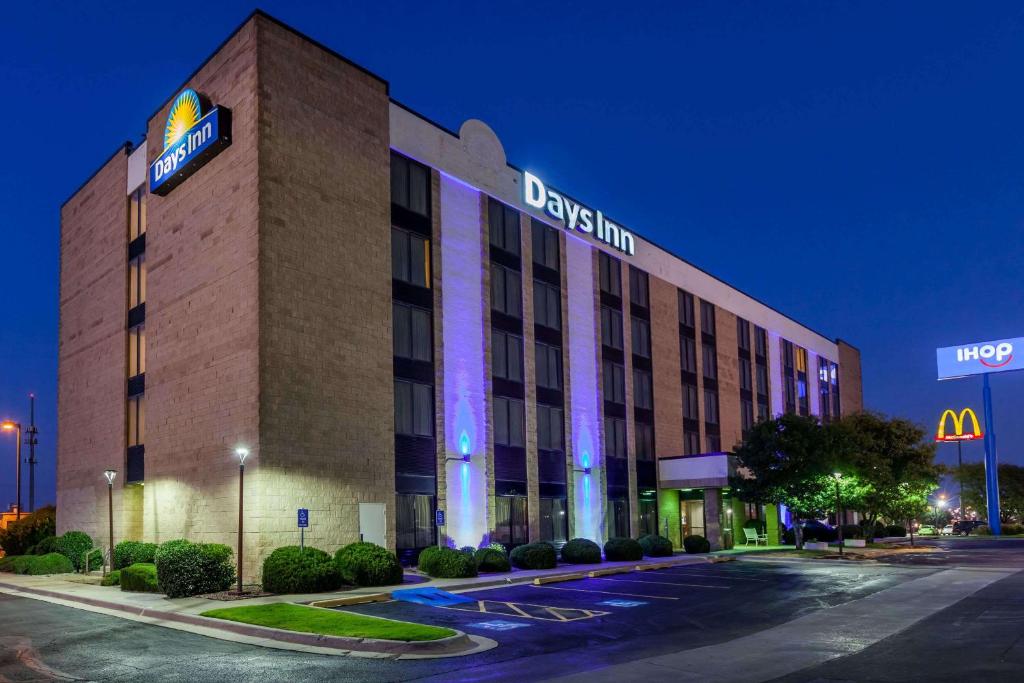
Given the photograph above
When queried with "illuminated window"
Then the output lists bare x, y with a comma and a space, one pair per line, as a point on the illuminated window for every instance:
507, 356
410, 258
410, 185
547, 305
137, 213
611, 328
545, 245
137, 281
412, 332
641, 337
611, 274
801, 359
506, 291
504, 226
136, 420
136, 350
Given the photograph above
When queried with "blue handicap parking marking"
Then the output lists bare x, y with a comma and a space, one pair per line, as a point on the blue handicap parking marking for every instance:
622, 603
499, 625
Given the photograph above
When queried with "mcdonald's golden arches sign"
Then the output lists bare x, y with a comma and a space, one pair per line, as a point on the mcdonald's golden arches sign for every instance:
958, 426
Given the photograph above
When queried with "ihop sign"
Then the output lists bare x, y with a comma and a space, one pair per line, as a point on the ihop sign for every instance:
194, 134
1000, 355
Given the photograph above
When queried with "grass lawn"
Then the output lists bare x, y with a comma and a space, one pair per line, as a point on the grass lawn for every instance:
291, 617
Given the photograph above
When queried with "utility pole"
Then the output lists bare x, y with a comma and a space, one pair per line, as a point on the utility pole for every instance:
32, 441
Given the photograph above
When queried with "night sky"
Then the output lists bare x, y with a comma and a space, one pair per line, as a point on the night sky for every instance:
859, 166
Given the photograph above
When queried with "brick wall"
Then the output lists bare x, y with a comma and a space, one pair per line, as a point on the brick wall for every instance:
668, 388
851, 388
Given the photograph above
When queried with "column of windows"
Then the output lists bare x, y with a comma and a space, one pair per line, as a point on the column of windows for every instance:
613, 372
136, 374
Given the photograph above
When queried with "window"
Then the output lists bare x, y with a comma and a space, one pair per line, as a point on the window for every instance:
510, 520
611, 274
137, 281
506, 291
136, 420
549, 428
688, 354
615, 437
641, 337
762, 379
414, 520
760, 342
789, 384
642, 393
690, 409
545, 245
549, 366
801, 359
710, 361
644, 441
638, 287
746, 414
412, 332
745, 379
504, 224
554, 522
410, 185
547, 305
508, 422
711, 406
707, 317
648, 510
762, 408
743, 334
414, 408
787, 355
614, 382
714, 443
685, 309
507, 356
611, 327
691, 443
137, 213
136, 350
410, 258
617, 517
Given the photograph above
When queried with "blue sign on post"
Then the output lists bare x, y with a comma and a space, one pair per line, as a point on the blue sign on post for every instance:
439, 517
980, 358
303, 518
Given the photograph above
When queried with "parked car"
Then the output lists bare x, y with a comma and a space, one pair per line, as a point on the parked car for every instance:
965, 527
947, 530
927, 530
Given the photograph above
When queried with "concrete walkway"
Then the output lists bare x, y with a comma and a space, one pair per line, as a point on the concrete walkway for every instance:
809, 640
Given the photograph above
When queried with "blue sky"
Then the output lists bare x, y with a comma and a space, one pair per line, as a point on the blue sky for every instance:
859, 166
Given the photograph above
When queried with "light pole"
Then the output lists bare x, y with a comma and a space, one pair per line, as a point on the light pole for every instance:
32, 443
110, 474
940, 505
241, 454
12, 426
839, 522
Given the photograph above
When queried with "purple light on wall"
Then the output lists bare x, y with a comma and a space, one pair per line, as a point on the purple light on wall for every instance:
583, 371
465, 394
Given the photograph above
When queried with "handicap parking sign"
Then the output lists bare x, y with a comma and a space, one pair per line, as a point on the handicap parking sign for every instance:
499, 625
303, 518
622, 603
439, 517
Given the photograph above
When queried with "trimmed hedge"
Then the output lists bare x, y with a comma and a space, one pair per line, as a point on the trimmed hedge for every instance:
491, 560
127, 553
696, 544
184, 568
367, 564
74, 545
140, 578
446, 563
622, 549
45, 547
112, 579
28, 531
7, 563
539, 555
655, 545
852, 531
581, 551
293, 570
896, 530
50, 563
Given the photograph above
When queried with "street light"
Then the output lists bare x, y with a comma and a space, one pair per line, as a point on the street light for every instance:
241, 454
110, 474
940, 504
12, 426
839, 522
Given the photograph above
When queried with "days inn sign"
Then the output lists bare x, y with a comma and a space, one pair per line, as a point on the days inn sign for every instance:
191, 138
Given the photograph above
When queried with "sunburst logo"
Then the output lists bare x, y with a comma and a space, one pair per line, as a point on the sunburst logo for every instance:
185, 113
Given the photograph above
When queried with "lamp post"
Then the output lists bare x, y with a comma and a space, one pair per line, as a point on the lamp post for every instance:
32, 443
940, 504
839, 522
12, 426
110, 474
241, 454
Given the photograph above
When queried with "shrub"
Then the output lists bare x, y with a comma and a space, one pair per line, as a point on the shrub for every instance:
1012, 529
540, 555
74, 545
491, 560
759, 524
140, 578
7, 563
696, 544
46, 546
28, 531
500, 547
655, 545
112, 579
623, 550
127, 553
446, 563
866, 529
184, 568
896, 530
291, 569
21, 563
581, 551
983, 530
852, 531
468, 549
50, 563
820, 533
367, 564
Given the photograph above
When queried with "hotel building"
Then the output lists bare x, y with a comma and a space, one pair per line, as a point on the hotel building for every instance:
395, 321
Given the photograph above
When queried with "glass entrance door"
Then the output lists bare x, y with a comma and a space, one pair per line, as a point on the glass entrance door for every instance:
691, 517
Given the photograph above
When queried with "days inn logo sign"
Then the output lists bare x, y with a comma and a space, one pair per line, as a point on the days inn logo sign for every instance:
980, 358
191, 138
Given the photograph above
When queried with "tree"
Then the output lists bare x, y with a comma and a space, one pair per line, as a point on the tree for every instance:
1011, 489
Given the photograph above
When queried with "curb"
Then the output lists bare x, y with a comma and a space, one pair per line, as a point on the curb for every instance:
353, 600
455, 645
557, 578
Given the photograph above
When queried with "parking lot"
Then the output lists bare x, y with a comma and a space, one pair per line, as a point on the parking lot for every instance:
583, 624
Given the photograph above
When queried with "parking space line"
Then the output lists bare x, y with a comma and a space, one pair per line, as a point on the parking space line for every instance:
666, 583
591, 590
716, 576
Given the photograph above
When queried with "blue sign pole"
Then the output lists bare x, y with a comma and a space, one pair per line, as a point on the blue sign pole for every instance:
991, 462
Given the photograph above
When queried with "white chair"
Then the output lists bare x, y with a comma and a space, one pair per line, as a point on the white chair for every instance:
752, 536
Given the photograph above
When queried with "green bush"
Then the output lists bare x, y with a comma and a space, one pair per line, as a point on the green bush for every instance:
468, 549
896, 530
622, 549
581, 551
46, 546
112, 579
21, 563
50, 563
983, 530
759, 524
853, 531
655, 545
696, 544
140, 578
446, 563
539, 555
184, 568
127, 553
500, 547
294, 570
491, 560
1012, 529
7, 563
74, 545
367, 564
28, 531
